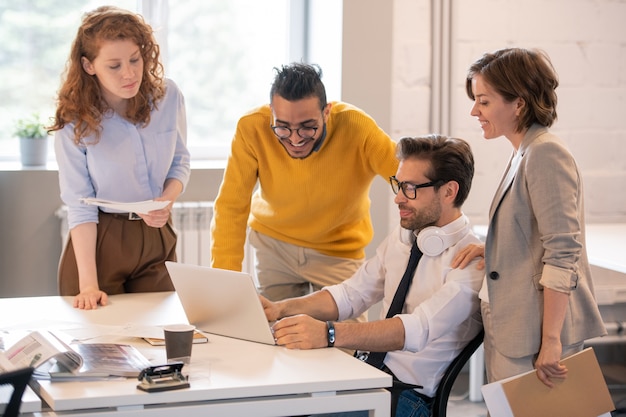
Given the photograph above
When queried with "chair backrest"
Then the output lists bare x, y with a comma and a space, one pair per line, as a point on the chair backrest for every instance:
440, 402
19, 379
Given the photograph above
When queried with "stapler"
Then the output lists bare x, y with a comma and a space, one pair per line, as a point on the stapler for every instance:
163, 378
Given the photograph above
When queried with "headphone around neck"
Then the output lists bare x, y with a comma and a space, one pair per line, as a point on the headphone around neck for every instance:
433, 240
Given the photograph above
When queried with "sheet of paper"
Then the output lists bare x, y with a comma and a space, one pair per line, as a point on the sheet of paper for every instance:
102, 332
136, 207
583, 393
80, 332
495, 399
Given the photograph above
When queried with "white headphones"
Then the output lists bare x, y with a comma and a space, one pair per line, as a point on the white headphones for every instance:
433, 240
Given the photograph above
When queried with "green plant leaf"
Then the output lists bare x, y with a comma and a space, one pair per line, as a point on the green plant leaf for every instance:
30, 127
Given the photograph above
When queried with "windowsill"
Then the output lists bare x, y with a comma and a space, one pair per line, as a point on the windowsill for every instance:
10, 166
208, 164
17, 166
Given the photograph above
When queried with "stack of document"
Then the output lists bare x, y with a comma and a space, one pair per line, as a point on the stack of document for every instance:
141, 207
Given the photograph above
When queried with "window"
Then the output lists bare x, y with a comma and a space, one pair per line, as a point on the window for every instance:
220, 53
36, 37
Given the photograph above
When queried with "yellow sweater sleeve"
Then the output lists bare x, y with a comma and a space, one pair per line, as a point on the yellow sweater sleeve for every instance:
320, 202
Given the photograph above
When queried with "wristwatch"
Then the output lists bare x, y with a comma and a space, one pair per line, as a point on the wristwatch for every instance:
331, 333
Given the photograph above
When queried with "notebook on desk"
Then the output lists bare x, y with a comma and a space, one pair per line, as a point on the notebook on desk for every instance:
221, 302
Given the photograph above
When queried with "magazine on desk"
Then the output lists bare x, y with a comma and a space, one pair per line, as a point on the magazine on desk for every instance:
55, 359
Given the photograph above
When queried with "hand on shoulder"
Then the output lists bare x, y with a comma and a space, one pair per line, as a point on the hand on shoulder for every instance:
468, 254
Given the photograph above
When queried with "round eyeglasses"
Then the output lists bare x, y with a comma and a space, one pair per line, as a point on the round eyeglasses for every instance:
284, 132
409, 189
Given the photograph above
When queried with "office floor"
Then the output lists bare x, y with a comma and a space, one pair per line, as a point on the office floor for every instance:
615, 376
459, 405
466, 408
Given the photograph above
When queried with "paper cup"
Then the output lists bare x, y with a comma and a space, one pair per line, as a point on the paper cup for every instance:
178, 342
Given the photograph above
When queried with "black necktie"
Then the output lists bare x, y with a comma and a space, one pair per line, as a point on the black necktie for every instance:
376, 358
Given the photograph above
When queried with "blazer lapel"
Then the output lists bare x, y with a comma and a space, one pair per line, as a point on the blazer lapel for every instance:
505, 183
509, 174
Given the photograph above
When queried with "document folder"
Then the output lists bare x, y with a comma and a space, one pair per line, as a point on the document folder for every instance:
583, 393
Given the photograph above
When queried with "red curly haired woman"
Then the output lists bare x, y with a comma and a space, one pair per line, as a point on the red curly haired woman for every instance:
120, 134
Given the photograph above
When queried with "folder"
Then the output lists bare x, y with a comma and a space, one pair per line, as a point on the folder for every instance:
159, 341
583, 393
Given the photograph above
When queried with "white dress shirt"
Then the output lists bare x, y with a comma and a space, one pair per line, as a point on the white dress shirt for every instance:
441, 312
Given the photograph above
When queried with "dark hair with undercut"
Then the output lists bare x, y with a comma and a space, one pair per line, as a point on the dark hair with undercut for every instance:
520, 73
297, 81
451, 159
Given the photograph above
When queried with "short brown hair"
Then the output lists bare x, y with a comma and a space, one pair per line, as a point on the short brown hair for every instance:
520, 73
451, 159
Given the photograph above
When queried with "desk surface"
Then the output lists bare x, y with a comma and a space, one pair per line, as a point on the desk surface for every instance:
224, 368
606, 246
30, 401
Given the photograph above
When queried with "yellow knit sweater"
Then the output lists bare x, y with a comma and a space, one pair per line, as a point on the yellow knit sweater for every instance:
320, 202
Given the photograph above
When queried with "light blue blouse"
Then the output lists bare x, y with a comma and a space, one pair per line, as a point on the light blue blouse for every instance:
130, 162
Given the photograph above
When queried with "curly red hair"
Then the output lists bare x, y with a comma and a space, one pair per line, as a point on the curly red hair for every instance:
80, 98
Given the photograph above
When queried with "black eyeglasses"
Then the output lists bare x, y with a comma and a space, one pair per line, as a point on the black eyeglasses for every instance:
284, 132
409, 189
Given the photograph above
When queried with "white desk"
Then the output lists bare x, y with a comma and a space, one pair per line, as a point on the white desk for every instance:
606, 248
30, 401
228, 377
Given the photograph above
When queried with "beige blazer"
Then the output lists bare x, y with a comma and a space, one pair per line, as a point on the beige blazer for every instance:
536, 239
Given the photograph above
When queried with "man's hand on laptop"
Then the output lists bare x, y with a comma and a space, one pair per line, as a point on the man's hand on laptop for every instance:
270, 308
300, 332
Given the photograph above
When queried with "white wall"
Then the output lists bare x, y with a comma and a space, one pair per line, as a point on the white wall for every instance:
366, 77
587, 44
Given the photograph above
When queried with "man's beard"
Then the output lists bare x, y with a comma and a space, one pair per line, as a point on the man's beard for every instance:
427, 216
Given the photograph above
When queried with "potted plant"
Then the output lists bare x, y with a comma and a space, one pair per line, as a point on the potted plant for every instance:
33, 140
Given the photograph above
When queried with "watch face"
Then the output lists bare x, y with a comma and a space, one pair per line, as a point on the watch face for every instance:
331, 333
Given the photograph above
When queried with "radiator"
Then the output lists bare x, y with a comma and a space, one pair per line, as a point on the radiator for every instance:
192, 222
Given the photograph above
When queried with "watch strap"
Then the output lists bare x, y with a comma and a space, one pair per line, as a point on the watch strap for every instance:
331, 333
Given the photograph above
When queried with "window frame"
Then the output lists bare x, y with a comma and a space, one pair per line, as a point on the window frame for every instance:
302, 41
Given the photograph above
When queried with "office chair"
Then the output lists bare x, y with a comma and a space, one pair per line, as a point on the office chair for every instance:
19, 380
440, 401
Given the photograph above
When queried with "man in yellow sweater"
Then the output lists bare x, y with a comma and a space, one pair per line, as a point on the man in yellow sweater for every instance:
314, 162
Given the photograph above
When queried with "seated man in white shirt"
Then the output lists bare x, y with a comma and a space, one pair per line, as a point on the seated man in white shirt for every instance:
440, 314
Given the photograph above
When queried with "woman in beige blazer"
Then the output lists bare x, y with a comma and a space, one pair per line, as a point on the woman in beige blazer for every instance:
538, 303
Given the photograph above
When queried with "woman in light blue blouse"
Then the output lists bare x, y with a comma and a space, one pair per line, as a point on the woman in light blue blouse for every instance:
120, 134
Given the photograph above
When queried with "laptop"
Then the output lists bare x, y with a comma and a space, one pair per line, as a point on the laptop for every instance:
221, 302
